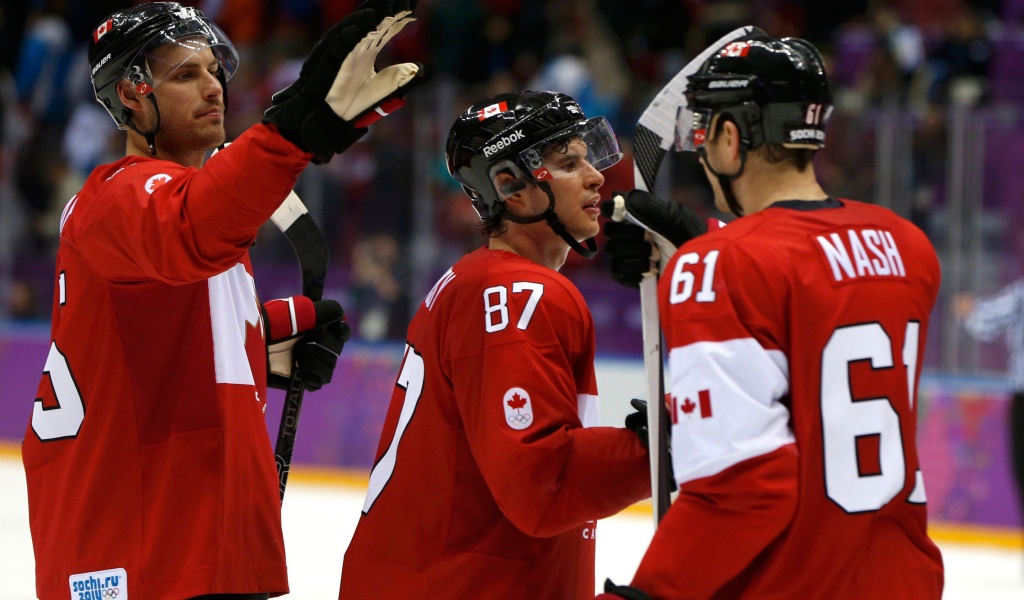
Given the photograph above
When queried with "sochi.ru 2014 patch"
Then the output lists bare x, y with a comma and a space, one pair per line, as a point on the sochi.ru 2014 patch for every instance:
518, 408
111, 584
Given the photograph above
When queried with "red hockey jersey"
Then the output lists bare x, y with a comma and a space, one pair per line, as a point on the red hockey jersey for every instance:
796, 338
490, 473
147, 457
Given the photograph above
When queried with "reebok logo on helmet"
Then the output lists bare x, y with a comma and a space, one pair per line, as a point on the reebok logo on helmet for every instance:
504, 142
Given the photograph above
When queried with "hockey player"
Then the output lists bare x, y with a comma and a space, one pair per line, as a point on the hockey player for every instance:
150, 472
795, 339
491, 472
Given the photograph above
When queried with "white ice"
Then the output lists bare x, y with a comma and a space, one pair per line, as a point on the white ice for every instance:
319, 519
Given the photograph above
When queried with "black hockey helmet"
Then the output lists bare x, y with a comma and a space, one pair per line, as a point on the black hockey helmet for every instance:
122, 45
509, 133
774, 90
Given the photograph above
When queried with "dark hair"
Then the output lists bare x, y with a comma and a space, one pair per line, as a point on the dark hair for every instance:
776, 154
493, 227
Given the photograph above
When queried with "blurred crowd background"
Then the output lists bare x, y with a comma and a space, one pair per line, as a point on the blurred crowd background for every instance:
929, 121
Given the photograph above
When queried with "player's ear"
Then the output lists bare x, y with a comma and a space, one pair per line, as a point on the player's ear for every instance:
128, 96
731, 138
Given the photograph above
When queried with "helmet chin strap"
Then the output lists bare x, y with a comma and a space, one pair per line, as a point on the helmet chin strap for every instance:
556, 225
151, 134
725, 181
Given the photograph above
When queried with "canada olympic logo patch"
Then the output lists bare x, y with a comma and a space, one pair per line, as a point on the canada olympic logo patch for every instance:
156, 181
518, 408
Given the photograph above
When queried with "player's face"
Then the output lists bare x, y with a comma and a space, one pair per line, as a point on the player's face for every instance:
575, 185
190, 98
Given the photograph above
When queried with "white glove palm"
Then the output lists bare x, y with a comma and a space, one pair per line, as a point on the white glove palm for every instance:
358, 88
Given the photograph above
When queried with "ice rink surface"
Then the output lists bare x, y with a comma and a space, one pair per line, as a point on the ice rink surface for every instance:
320, 514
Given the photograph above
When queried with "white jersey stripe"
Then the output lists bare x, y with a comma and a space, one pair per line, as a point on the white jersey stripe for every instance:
739, 383
589, 409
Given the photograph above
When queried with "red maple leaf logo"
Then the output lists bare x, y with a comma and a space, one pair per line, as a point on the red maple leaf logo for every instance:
517, 401
688, 406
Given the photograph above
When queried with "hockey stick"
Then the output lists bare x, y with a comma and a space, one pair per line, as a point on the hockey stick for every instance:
656, 133
311, 249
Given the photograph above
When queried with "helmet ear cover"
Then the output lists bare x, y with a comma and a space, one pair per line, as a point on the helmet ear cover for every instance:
520, 183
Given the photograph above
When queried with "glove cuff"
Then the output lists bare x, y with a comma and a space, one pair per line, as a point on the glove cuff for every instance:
288, 317
313, 128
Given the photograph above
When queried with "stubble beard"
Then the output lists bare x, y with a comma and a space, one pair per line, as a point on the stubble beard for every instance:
195, 139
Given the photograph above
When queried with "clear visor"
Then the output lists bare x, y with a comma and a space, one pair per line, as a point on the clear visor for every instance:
693, 126
591, 143
175, 46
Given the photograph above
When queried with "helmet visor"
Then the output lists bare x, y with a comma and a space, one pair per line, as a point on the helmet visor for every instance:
176, 45
592, 142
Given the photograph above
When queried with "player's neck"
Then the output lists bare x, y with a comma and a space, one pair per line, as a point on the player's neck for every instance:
137, 146
764, 184
536, 242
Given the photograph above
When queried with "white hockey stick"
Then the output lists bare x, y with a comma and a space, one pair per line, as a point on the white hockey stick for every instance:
656, 133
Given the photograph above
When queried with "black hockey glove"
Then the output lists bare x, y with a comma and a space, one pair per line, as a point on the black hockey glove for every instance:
303, 333
621, 592
338, 93
628, 245
317, 353
638, 423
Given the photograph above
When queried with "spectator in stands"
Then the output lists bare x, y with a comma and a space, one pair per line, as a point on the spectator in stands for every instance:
961, 60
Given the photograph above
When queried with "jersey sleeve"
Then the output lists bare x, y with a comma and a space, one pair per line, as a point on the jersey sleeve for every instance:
727, 359
157, 220
525, 364
733, 452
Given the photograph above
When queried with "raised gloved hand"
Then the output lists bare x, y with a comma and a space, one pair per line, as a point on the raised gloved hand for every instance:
636, 219
338, 93
303, 333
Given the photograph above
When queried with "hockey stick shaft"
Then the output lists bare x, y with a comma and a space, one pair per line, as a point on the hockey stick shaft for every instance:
311, 249
654, 375
647, 158
656, 132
